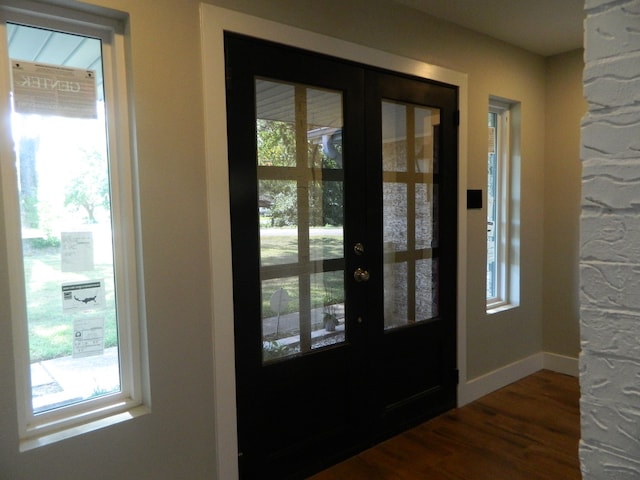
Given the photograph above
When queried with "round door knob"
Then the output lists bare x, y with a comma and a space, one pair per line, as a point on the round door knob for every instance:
361, 275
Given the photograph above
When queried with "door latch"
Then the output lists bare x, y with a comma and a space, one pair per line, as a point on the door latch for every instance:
361, 275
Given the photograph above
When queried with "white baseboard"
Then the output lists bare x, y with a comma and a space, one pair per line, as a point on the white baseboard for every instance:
561, 364
490, 382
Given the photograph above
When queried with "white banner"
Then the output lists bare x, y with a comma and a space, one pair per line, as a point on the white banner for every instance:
54, 90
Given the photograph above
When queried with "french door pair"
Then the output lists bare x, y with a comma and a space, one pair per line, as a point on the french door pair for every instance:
343, 185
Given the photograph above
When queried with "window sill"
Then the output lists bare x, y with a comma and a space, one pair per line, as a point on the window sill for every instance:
48, 438
497, 308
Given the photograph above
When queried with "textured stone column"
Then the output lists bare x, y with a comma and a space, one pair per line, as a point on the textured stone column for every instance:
610, 243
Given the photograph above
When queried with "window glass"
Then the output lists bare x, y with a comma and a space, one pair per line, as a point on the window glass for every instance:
502, 213
492, 203
68, 188
59, 133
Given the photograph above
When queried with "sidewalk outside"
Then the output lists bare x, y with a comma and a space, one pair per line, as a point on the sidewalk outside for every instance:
66, 379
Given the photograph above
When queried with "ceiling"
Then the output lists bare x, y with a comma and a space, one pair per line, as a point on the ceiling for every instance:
30, 44
545, 27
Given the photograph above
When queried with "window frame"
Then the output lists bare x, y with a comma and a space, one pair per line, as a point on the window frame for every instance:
503, 205
46, 427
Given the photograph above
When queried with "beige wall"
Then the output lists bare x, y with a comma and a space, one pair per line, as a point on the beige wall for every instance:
176, 440
562, 185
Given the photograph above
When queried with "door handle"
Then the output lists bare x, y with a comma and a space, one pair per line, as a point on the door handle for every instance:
361, 275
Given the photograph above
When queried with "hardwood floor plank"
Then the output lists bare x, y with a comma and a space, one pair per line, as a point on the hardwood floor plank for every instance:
526, 431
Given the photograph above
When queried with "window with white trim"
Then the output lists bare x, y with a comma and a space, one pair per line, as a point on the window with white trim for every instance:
67, 183
502, 184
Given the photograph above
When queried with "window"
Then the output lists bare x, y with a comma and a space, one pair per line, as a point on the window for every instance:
502, 187
67, 186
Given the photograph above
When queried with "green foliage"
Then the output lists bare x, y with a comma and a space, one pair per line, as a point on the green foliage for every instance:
284, 209
89, 188
277, 148
29, 210
100, 390
272, 350
276, 143
325, 204
49, 241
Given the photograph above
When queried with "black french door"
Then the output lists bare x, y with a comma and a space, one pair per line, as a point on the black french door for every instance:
343, 185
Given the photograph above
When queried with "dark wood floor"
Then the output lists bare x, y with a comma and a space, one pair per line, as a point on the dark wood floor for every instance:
528, 430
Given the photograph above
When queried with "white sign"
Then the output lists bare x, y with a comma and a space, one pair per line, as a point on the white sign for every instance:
279, 300
492, 140
76, 251
54, 90
88, 337
86, 295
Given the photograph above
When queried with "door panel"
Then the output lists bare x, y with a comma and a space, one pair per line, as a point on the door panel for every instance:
412, 152
296, 398
343, 187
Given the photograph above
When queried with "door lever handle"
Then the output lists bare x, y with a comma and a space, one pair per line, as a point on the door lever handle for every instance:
361, 275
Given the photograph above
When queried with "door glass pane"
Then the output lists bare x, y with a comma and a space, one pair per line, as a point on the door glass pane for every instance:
426, 288
425, 231
275, 122
324, 128
278, 213
280, 317
300, 204
395, 292
394, 142
395, 215
409, 163
59, 130
327, 292
325, 229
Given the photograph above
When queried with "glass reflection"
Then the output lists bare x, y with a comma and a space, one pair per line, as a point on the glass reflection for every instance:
300, 207
409, 163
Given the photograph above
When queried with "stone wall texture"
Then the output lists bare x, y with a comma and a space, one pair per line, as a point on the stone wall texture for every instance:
610, 243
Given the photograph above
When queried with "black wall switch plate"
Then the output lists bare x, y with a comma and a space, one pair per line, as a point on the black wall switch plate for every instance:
474, 199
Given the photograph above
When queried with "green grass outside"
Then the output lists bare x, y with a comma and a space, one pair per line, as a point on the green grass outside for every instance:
50, 329
326, 288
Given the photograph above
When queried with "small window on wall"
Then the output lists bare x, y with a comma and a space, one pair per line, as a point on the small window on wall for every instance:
502, 188
67, 187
